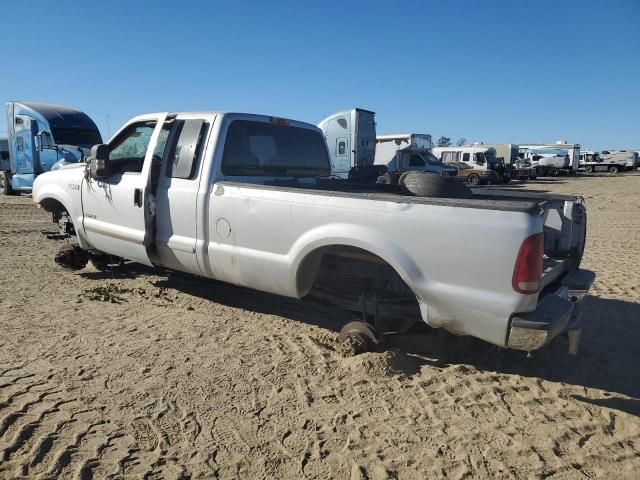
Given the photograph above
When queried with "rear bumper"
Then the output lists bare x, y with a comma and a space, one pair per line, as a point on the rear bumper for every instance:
556, 313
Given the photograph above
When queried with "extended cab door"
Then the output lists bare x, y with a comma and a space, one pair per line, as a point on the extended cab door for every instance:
116, 210
175, 188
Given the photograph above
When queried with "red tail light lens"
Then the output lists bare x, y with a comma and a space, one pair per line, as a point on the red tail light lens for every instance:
528, 270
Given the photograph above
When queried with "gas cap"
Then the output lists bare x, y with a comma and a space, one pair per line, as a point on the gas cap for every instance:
223, 228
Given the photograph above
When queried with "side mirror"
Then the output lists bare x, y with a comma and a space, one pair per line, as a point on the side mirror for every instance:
37, 141
99, 163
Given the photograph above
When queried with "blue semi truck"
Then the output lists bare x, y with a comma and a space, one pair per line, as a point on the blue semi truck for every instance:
42, 137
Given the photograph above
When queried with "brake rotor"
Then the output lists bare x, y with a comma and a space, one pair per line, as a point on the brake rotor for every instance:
357, 337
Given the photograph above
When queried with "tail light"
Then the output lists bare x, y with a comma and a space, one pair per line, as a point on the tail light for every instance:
527, 272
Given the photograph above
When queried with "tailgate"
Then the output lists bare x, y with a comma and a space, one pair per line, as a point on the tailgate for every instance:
565, 227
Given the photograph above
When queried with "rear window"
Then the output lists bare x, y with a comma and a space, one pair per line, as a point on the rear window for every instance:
268, 149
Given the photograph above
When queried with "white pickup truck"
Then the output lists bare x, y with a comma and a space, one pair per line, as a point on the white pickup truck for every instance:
246, 199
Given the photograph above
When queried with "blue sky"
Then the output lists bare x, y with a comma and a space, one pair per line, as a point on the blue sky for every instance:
492, 71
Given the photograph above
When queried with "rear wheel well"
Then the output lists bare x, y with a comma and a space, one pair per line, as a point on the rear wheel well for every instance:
359, 281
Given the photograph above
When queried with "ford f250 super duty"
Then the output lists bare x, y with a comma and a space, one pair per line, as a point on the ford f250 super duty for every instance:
248, 199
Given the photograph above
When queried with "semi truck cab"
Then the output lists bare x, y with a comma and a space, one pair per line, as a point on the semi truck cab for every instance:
41, 137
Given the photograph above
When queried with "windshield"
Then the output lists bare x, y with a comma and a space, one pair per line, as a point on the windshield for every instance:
550, 152
268, 149
431, 159
76, 136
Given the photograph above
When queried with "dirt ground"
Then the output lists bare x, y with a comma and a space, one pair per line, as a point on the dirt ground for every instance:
144, 374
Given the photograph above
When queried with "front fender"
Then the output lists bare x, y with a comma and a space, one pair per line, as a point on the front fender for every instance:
67, 192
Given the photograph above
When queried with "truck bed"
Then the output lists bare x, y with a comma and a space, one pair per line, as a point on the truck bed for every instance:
482, 198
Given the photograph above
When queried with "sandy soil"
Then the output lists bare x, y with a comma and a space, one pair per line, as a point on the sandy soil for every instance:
175, 377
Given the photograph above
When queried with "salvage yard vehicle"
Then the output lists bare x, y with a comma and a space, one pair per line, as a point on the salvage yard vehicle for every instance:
593, 162
351, 138
470, 174
479, 157
547, 161
42, 137
247, 199
552, 159
515, 167
624, 159
409, 152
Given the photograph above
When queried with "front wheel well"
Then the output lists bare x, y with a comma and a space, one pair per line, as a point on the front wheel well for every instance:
52, 205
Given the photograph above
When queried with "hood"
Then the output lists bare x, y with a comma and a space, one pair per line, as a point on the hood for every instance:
71, 153
67, 177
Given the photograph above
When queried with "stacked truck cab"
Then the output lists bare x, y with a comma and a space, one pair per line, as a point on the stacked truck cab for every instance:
42, 137
351, 139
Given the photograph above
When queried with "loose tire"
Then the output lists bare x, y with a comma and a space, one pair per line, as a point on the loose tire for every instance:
613, 169
473, 179
5, 184
422, 184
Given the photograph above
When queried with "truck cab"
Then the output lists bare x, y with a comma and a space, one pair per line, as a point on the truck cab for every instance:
43, 137
351, 139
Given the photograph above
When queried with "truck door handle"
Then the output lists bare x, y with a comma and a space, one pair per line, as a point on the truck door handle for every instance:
137, 197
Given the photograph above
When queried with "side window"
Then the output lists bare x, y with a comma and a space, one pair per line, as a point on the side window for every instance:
465, 157
185, 153
162, 140
127, 152
20, 144
342, 147
450, 157
416, 161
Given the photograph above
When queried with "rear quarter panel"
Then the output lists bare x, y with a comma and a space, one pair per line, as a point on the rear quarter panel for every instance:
458, 261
